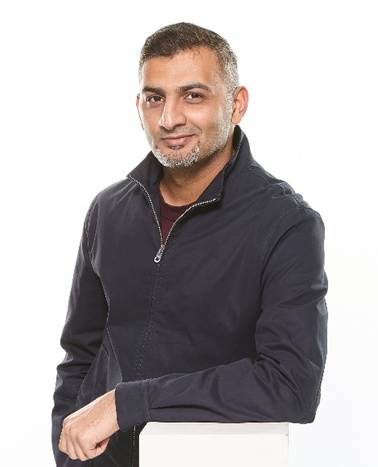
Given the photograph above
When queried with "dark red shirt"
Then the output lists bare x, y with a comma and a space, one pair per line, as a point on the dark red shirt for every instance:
168, 215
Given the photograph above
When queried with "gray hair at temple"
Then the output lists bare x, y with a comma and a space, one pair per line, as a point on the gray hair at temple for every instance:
179, 37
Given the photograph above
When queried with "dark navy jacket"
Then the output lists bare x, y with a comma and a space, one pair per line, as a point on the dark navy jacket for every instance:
226, 322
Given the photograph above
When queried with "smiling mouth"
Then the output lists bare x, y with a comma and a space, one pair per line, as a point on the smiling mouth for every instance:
176, 142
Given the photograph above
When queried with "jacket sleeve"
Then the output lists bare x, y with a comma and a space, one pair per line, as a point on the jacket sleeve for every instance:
283, 382
81, 339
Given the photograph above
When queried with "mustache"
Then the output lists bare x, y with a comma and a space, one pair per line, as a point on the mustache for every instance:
177, 132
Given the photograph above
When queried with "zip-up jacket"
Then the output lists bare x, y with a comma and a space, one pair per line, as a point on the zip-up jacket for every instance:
224, 322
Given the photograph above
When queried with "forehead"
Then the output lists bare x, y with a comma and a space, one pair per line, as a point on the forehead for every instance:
196, 65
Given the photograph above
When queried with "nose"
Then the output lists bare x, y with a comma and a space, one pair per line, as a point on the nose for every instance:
172, 115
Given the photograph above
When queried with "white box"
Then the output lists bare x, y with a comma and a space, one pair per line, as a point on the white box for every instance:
214, 445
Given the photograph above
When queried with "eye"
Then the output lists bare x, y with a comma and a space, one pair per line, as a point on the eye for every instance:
154, 99
194, 96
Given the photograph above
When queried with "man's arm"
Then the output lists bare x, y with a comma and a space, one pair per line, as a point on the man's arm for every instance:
81, 339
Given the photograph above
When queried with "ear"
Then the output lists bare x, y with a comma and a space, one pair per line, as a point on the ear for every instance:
137, 106
240, 104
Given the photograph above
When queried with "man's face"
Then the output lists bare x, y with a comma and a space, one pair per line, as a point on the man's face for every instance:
184, 107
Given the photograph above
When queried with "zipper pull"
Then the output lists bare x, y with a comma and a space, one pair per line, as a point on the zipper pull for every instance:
159, 254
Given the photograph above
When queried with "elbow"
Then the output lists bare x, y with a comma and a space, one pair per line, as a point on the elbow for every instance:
305, 402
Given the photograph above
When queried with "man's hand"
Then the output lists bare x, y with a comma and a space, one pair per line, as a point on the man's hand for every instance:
86, 432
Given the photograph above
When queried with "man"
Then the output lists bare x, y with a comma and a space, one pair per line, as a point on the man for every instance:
198, 293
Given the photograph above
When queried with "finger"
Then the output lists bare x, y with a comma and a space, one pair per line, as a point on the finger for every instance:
62, 443
79, 447
91, 452
71, 447
100, 448
74, 451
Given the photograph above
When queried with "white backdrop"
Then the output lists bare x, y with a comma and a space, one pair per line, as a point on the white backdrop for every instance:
69, 128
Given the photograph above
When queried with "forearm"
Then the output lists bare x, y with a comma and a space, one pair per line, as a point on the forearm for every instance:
242, 391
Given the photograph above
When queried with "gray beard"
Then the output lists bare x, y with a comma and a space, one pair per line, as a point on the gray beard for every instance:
175, 161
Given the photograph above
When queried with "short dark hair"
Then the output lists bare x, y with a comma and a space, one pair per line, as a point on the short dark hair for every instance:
172, 39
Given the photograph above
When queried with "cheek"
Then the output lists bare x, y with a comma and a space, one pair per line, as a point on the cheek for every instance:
147, 122
202, 119
220, 121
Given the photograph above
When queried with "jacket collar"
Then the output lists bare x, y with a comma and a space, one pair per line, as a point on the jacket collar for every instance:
149, 171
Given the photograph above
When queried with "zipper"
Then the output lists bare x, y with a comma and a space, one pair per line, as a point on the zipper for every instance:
133, 443
153, 211
160, 252
157, 259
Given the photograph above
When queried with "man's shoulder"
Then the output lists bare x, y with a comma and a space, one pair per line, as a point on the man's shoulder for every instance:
270, 187
109, 198
114, 190
275, 197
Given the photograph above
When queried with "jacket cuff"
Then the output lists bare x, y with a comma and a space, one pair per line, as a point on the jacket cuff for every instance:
132, 404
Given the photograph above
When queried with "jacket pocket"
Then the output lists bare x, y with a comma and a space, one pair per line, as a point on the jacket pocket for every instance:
103, 375
95, 381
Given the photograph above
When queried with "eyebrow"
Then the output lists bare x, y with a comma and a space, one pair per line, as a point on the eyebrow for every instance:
184, 88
